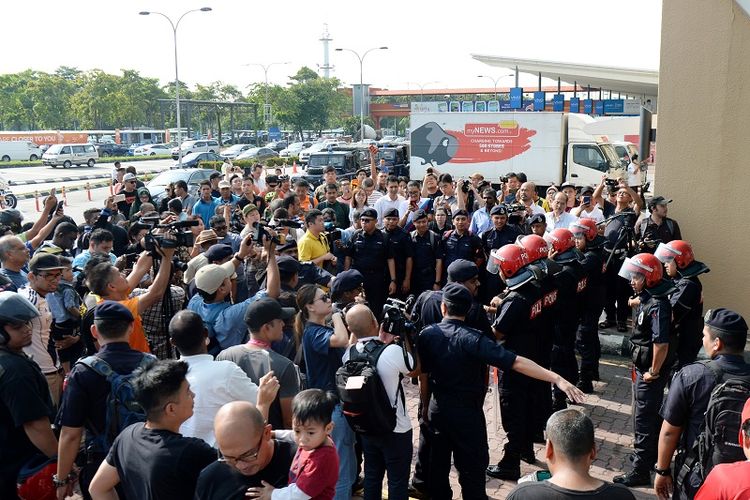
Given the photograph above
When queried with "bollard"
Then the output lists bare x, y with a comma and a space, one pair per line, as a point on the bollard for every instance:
36, 200
65, 198
294, 167
88, 191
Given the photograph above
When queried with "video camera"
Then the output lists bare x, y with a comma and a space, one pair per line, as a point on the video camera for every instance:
182, 236
277, 223
611, 184
332, 232
516, 213
396, 322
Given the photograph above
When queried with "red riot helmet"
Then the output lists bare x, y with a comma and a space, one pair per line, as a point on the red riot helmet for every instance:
535, 246
644, 264
679, 251
510, 259
561, 240
587, 227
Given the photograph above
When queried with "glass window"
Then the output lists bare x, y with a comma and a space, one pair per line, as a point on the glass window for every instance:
65, 150
589, 156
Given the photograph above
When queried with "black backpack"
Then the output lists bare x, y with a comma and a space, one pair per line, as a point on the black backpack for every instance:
365, 402
717, 441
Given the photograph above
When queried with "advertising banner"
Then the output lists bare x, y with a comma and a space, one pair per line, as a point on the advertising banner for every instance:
425, 107
614, 106
599, 108
588, 106
558, 102
480, 106
493, 106
575, 105
539, 101
467, 106
516, 98
46, 137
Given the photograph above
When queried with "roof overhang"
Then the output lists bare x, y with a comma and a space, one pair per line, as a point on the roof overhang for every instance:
638, 82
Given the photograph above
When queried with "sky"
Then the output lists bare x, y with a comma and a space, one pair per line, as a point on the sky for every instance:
428, 43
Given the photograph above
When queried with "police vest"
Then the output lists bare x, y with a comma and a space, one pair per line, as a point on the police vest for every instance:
572, 286
641, 342
529, 342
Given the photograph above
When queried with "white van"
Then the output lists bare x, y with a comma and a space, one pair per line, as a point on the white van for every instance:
19, 150
201, 146
70, 154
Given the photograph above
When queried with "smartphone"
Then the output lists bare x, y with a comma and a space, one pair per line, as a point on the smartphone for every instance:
586, 200
60, 205
543, 475
118, 198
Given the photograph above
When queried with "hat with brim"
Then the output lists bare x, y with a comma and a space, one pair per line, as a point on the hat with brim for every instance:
210, 277
206, 235
249, 208
264, 311
44, 262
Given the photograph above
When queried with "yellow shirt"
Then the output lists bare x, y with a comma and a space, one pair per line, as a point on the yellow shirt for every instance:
309, 247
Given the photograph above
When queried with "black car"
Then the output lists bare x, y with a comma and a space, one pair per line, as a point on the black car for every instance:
277, 145
193, 159
111, 149
346, 163
396, 159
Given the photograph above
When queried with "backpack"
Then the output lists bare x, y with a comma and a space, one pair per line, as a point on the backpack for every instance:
122, 409
717, 441
432, 237
645, 221
364, 400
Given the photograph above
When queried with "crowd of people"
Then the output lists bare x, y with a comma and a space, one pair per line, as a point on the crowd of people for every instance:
212, 346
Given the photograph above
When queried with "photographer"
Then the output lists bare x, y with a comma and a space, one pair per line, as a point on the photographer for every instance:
389, 452
313, 246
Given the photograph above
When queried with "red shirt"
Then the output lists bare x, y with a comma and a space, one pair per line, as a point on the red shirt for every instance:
316, 472
727, 482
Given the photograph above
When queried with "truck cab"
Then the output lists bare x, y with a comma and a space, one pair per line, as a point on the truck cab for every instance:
345, 161
588, 156
396, 158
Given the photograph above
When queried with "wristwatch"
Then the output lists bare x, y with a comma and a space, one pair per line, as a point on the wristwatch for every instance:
237, 256
662, 472
58, 483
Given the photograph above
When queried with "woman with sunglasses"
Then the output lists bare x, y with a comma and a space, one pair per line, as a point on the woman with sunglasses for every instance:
323, 347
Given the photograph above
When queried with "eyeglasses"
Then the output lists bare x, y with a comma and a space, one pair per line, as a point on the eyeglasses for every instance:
248, 457
413, 193
325, 297
51, 277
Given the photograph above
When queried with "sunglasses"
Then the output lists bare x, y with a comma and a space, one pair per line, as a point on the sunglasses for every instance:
325, 297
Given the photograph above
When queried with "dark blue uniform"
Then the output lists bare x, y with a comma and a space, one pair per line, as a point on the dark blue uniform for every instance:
370, 254
687, 311
84, 402
587, 338
401, 248
466, 246
652, 326
455, 357
492, 239
428, 249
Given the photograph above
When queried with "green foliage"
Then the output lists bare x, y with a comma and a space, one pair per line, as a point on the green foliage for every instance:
271, 162
109, 159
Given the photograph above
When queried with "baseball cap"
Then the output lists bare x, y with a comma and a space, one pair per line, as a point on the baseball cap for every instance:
567, 185
287, 264
206, 235
369, 212
420, 214
462, 270
210, 277
249, 208
658, 200
44, 262
346, 281
391, 212
264, 311
218, 252
109, 309
587, 189
128, 177
214, 175
537, 219
458, 295
224, 184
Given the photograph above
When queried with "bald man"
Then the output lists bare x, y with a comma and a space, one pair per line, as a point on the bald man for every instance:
250, 455
386, 452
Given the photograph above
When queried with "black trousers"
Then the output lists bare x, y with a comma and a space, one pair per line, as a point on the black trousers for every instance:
617, 292
564, 361
648, 400
421, 477
516, 408
376, 292
587, 342
462, 434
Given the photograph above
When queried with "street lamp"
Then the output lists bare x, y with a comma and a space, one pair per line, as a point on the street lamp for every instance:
421, 88
176, 75
266, 67
494, 81
361, 87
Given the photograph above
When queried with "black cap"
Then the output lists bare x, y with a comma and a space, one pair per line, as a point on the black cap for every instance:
44, 262
272, 179
287, 246
537, 219
457, 295
287, 264
218, 253
460, 211
329, 168
462, 270
725, 320
658, 200
346, 281
264, 311
499, 210
369, 212
214, 175
420, 214
391, 212
587, 189
109, 309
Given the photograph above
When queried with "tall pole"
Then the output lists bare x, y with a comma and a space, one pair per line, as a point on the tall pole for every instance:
361, 86
266, 67
176, 73
421, 88
495, 81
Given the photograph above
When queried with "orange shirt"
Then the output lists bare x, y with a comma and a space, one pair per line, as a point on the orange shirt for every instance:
137, 339
308, 203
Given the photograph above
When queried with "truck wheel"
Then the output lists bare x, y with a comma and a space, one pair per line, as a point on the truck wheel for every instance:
91, 162
5, 158
11, 200
67, 164
33, 158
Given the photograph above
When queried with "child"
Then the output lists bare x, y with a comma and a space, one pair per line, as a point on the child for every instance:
315, 468
65, 306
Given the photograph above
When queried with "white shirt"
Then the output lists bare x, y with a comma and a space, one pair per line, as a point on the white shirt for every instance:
214, 383
634, 174
385, 203
39, 332
390, 365
595, 213
536, 209
554, 222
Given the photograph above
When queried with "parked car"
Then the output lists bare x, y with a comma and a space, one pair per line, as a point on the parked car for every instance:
193, 159
199, 146
346, 162
193, 176
294, 149
19, 150
258, 154
111, 149
277, 145
233, 151
70, 154
304, 155
152, 150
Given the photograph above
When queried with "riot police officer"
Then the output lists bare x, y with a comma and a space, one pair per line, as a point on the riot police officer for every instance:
650, 350
454, 361
498, 236
571, 292
427, 271
687, 302
368, 253
591, 244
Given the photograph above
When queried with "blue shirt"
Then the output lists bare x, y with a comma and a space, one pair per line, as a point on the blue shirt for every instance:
85, 256
233, 240
206, 210
224, 321
18, 279
60, 301
231, 201
480, 221
321, 359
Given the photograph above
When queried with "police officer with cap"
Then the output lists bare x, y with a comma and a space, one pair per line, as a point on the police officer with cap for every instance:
402, 249
84, 401
368, 252
454, 366
498, 236
25, 404
346, 289
537, 224
724, 338
460, 243
427, 269
650, 352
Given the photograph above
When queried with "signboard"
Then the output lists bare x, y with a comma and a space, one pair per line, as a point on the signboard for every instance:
599, 108
575, 105
467, 106
493, 106
454, 107
425, 107
357, 99
442, 107
539, 101
274, 134
558, 102
588, 106
516, 97
46, 137
480, 106
614, 106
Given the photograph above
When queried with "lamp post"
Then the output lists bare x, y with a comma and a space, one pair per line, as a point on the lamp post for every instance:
176, 74
495, 81
361, 87
421, 88
266, 67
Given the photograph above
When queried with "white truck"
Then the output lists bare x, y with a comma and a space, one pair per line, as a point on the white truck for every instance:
19, 150
550, 148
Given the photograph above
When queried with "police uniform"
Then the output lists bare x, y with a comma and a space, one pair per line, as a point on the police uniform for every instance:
687, 313
370, 255
454, 359
492, 239
466, 246
401, 248
428, 249
587, 337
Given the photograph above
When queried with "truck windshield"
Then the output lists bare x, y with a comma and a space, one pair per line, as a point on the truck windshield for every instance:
611, 156
324, 160
387, 155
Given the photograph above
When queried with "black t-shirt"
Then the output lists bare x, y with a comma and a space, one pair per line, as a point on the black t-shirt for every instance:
544, 490
158, 464
221, 481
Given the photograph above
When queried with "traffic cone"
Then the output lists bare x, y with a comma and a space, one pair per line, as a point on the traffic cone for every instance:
36, 200
294, 167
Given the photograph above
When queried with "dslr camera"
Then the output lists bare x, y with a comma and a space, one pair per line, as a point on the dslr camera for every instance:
278, 223
396, 322
183, 237
332, 232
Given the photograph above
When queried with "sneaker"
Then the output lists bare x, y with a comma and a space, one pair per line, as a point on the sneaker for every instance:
607, 324
634, 478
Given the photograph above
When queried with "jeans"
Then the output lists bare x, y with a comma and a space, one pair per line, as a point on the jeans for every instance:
343, 438
391, 453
